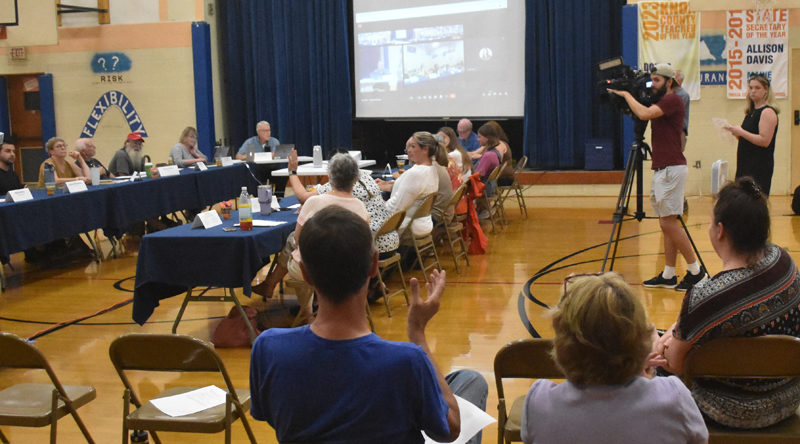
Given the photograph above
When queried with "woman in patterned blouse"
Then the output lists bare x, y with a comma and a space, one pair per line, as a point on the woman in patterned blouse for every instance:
757, 293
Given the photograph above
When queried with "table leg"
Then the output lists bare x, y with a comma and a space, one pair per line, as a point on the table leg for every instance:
244, 316
97, 254
180, 312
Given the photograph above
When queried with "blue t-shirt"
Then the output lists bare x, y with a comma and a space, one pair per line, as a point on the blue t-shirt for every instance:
253, 145
471, 144
311, 389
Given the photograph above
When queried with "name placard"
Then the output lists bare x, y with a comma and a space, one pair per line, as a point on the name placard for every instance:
169, 170
207, 219
262, 157
255, 205
226, 161
20, 195
201, 166
75, 186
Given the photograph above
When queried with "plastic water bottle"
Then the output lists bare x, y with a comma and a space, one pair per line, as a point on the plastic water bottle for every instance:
139, 437
245, 215
317, 156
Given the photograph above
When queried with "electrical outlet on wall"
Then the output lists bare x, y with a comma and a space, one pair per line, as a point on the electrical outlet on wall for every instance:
697, 164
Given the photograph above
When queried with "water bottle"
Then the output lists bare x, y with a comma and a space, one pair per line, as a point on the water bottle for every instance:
245, 215
265, 199
50, 178
317, 156
139, 437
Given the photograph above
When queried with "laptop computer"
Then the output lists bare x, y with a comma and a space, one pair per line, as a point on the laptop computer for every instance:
282, 151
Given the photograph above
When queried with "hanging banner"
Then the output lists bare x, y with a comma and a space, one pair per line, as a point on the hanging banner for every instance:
670, 33
757, 44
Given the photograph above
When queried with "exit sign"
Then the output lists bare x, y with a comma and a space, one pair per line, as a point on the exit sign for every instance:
18, 53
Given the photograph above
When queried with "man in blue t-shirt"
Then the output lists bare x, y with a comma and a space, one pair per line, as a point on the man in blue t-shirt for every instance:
256, 144
467, 137
335, 380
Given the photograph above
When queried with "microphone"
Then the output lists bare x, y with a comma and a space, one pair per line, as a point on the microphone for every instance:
247, 165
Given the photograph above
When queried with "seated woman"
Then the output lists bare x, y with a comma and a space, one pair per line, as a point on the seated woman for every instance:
498, 141
417, 182
185, 153
366, 190
440, 211
756, 293
65, 171
456, 152
343, 173
602, 341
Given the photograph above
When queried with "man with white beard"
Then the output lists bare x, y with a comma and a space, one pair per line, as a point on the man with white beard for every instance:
128, 158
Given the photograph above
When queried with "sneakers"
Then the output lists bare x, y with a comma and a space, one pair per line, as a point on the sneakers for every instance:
661, 281
691, 279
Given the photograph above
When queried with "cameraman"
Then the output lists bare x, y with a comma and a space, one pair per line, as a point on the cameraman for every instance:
669, 179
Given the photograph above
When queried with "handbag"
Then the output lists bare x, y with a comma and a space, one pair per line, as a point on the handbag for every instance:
232, 331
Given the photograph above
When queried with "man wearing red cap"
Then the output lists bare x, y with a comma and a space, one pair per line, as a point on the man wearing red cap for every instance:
128, 158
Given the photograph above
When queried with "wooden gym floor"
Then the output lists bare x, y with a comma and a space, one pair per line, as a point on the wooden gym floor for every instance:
479, 313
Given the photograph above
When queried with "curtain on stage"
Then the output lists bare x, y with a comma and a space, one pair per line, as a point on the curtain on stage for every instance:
565, 39
287, 62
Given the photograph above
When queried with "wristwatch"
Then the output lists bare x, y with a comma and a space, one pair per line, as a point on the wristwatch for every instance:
293, 173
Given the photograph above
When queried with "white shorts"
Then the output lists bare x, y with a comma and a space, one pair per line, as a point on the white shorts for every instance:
666, 194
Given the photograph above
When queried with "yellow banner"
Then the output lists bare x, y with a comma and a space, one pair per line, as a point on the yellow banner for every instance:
670, 33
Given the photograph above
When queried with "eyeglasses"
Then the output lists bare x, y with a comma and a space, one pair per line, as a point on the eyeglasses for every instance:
576, 276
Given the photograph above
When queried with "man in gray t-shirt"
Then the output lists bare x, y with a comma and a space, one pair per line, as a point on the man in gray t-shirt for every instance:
685, 97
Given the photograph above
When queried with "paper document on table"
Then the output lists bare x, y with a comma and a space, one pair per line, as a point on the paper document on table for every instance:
274, 204
473, 420
726, 135
294, 207
265, 223
190, 402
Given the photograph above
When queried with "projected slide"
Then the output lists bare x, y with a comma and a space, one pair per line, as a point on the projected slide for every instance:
439, 58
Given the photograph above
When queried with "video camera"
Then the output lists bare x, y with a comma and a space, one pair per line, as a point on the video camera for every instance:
614, 74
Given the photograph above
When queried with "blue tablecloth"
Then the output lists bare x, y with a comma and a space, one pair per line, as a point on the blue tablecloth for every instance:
113, 207
174, 260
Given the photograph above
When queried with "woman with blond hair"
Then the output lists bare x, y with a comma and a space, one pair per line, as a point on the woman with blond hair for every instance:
185, 153
602, 344
756, 134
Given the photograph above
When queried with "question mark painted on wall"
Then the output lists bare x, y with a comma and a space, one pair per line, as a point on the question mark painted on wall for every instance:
102, 61
116, 60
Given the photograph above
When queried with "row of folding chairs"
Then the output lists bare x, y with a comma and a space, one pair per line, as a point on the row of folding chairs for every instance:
775, 356
38, 405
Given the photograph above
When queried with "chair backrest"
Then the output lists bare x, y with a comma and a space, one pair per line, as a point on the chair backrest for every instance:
16, 352
521, 163
457, 195
525, 358
19, 353
771, 356
391, 224
495, 173
157, 352
424, 209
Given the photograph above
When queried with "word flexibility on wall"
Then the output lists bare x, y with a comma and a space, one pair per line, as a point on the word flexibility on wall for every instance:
108, 100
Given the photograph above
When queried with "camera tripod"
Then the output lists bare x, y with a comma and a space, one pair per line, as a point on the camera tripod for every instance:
638, 153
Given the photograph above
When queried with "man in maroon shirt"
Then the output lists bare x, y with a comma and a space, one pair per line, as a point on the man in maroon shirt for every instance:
669, 177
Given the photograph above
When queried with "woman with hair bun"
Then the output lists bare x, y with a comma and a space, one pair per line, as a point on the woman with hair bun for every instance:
757, 293
602, 344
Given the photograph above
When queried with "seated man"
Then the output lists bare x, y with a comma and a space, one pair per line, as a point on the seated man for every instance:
334, 380
256, 144
87, 150
467, 137
129, 158
8, 178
